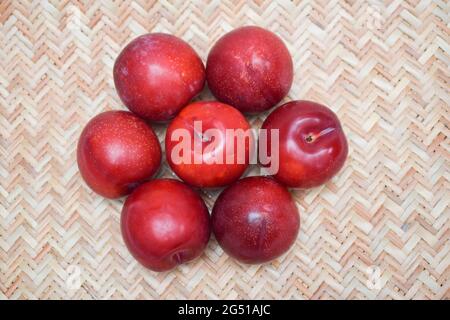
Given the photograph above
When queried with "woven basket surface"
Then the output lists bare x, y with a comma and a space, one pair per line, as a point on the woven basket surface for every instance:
379, 230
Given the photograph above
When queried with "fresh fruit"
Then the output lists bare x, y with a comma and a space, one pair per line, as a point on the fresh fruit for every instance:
117, 151
165, 223
249, 68
158, 74
255, 220
312, 144
208, 144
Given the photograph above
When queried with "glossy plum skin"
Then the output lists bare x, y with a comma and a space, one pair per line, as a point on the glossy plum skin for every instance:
165, 223
116, 151
249, 68
213, 115
255, 220
158, 74
313, 146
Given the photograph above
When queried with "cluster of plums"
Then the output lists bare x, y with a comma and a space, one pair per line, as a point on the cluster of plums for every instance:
165, 222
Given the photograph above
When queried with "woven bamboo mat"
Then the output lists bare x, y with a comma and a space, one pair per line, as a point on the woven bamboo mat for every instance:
379, 230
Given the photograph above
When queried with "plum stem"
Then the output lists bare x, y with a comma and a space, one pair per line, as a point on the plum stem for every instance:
311, 137
201, 136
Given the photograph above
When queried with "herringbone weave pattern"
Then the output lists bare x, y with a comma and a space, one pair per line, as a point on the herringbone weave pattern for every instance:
380, 229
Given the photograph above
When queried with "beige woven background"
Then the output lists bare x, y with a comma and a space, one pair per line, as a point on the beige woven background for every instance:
383, 67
